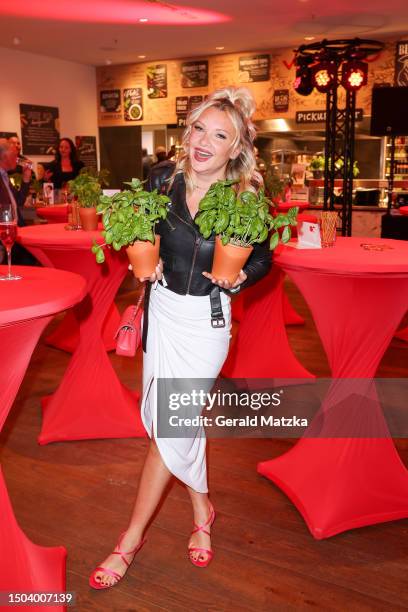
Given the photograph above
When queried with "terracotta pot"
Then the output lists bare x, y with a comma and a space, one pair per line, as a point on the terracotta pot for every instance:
144, 257
89, 219
229, 260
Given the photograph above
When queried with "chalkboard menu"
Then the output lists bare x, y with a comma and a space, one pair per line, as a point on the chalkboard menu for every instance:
110, 102
157, 81
184, 104
281, 100
133, 104
181, 105
39, 129
254, 68
86, 147
401, 64
194, 101
194, 74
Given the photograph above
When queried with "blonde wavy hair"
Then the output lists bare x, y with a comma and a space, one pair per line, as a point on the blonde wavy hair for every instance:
238, 103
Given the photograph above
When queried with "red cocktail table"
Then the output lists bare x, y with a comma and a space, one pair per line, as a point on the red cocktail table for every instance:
26, 307
90, 402
357, 294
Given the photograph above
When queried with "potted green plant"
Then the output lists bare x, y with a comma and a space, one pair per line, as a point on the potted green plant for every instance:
87, 188
274, 186
239, 222
339, 163
317, 166
129, 220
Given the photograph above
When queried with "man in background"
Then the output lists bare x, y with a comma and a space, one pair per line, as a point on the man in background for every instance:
161, 155
146, 163
16, 197
15, 144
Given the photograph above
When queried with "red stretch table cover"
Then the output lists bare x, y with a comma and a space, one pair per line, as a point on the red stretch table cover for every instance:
290, 315
261, 348
54, 214
26, 307
90, 402
66, 334
357, 298
402, 334
403, 210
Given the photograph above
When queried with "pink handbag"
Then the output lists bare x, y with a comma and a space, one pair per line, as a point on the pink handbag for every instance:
128, 336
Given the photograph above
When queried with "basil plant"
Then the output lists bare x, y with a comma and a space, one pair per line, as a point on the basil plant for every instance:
128, 216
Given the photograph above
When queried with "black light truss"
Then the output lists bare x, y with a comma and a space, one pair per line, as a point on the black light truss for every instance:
340, 123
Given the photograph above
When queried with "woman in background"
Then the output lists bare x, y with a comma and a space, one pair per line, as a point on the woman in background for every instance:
66, 165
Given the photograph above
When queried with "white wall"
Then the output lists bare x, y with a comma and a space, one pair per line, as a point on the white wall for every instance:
35, 79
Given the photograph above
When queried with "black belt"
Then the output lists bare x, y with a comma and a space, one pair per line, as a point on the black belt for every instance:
217, 316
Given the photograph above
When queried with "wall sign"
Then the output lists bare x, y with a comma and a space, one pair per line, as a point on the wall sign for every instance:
110, 100
39, 129
319, 116
401, 64
194, 74
181, 105
281, 100
7, 134
156, 81
133, 104
254, 68
86, 147
194, 101
184, 104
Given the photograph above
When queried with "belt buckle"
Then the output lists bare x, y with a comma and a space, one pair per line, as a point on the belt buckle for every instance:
218, 322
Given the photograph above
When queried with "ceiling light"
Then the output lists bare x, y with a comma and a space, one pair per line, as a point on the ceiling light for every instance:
220, 48
108, 62
141, 56
16, 40
143, 19
310, 37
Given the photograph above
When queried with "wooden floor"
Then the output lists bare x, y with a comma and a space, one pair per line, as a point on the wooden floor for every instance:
80, 494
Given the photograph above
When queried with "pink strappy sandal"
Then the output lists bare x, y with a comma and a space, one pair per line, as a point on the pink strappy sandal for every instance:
208, 552
96, 584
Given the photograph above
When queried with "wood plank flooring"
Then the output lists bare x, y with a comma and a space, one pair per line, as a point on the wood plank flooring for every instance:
80, 494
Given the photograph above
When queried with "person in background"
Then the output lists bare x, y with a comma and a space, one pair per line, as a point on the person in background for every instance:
66, 165
8, 163
9, 194
172, 153
161, 155
146, 163
15, 143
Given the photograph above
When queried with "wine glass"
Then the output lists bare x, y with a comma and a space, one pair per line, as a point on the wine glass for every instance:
8, 233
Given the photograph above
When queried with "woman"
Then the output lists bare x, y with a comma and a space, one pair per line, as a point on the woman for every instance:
66, 165
181, 341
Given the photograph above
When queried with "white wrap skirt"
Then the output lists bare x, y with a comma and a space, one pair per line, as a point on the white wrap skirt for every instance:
181, 344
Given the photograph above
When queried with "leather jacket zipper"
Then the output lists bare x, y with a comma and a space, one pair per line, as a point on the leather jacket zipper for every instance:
196, 247
183, 220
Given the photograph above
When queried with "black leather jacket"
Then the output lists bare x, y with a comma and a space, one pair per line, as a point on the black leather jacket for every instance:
184, 251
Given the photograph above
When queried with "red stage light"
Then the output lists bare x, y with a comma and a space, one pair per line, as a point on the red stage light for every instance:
324, 76
354, 75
